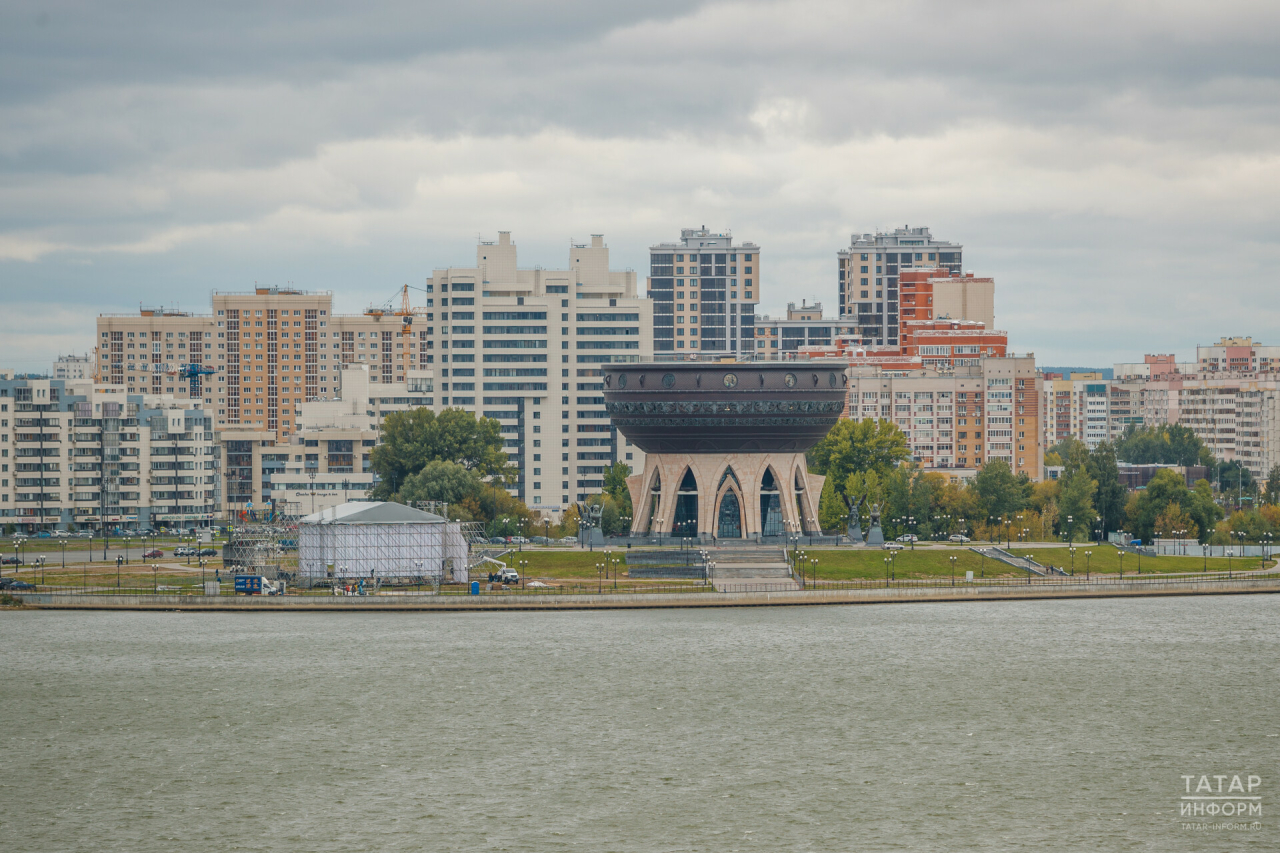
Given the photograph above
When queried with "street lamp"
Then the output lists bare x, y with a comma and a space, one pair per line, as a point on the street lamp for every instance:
1120, 554
1206, 558
1072, 551
886, 571
952, 558
1087, 561
1070, 529
155, 579
1030, 560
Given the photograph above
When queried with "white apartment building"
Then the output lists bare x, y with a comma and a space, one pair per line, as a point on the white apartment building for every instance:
957, 421
526, 346
705, 290
93, 457
868, 277
74, 368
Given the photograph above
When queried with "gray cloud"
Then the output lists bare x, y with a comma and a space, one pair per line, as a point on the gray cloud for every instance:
1114, 160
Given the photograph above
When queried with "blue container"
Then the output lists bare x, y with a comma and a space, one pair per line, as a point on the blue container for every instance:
475, 587
249, 584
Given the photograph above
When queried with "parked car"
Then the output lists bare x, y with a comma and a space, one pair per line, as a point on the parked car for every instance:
892, 546
10, 561
519, 540
957, 537
497, 540
908, 537
60, 534
154, 552
44, 534
207, 552
184, 551
568, 540
540, 540
15, 584
84, 534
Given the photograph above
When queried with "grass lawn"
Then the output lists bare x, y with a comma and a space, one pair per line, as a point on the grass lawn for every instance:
840, 564
559, 564
1106, 560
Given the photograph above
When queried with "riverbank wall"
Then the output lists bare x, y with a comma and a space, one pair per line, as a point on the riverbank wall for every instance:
630, 601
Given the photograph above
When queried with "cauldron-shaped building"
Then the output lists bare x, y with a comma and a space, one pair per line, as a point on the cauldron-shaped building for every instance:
725, 443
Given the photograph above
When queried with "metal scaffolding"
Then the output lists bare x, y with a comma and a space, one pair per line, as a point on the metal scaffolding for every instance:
386, 543
264, 542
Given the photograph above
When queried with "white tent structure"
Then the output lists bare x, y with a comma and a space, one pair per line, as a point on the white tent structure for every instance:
380, 540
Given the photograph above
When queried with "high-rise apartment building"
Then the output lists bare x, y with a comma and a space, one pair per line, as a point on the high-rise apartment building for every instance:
869, 271
704, 291
526, 346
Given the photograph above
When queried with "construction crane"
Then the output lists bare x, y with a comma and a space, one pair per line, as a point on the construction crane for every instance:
193, 372
406, 313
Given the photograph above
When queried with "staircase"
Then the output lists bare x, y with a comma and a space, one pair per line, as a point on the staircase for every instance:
762, 564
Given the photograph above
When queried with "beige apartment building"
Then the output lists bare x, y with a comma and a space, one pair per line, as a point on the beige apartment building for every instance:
957, 421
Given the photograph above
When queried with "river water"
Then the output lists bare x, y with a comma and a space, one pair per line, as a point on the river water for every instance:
1061, 725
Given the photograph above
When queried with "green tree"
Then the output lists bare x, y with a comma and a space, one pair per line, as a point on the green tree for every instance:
853, 446
1075, 503
1001, 492
412, 439
832, 512
615, 486
1166, 444
1109, 499
440, 481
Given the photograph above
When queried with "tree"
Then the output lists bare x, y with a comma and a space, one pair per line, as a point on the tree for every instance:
832, 512
413, 438
569, 522
1271, 494
1166, 444
440, 481
1174, 519
615, 486
1109, 498
853, 446
1001, 492
1075, 503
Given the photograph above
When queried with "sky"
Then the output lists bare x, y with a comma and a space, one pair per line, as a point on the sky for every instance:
1115, 166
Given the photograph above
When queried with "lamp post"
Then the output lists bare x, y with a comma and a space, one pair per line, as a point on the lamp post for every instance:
1087, 560
1072, 550
952, 558
203, 563
599, 581
911, 520
886, 571
1030, 560
155, 579
1206, 558
1265, 540
63, 543
1229, 555
1120, 554
1070, 529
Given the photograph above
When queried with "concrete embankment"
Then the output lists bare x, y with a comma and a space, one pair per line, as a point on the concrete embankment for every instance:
626, 601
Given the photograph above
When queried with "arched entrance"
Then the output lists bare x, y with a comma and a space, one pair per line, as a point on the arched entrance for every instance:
770, 505
729, 517
685, 522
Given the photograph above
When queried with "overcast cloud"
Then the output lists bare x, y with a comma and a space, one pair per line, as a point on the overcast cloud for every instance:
1114, 165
